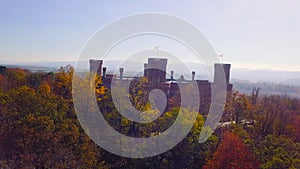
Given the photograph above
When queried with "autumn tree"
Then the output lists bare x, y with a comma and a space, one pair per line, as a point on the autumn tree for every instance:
238, 108
278, 152
293, 129
232, 153
63, 82
37, 131
274, 114
3, 82
16, 77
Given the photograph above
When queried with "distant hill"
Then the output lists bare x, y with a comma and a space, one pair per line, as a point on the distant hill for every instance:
33, 68
246, 87
267, 75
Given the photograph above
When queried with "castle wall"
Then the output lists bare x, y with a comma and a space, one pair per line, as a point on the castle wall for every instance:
155, 72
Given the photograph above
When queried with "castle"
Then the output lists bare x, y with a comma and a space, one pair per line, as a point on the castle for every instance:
155, 73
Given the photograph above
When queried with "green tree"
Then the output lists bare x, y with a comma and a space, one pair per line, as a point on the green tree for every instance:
278, 153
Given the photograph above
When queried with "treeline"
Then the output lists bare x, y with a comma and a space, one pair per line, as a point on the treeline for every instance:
39, 129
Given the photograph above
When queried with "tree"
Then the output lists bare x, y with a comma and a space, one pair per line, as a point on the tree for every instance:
254, 95
232, 154
273, 115
278, 152
63, 82
239, 108
3, 82
36, 131
35, 79
16, 77
294, 129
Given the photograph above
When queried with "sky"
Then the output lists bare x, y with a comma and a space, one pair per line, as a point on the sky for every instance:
249, 33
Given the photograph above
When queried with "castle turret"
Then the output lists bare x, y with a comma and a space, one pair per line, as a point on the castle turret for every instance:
121, 73
222, 74
104, 72
222, 71
193, 75
172, 74
155, 70
96, 66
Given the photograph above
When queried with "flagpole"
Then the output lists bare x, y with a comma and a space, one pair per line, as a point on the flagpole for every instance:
221, 56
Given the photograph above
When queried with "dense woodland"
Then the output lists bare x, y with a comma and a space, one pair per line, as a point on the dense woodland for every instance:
39, 129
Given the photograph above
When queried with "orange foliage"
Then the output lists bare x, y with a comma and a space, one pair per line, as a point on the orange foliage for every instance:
2, 82
232, 153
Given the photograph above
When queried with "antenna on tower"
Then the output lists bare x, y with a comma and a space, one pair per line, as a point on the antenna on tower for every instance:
221, 56
157, 50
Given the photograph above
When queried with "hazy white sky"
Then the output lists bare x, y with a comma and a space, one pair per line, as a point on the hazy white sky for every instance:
249, 33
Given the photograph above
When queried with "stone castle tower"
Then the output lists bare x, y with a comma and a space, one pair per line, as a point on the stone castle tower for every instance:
96, 66
155, 70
